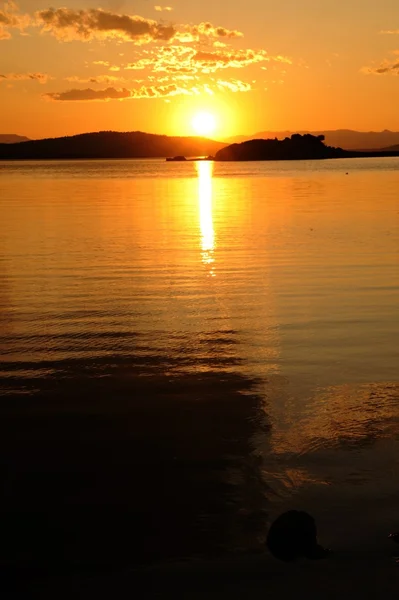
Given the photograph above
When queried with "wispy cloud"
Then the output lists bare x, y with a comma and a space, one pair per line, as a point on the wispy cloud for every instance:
212, 61
385, 68
163, 8
234, 85
89, 94
159, 91
117, 94
210, 30
108, 79
185, 59
219, 44
196, 33
40, 77
10, 18
390, 32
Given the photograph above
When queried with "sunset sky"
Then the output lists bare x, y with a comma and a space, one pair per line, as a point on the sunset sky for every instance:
72, 66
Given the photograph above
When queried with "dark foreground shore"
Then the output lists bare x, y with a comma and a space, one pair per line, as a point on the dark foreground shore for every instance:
136, 484
347, 574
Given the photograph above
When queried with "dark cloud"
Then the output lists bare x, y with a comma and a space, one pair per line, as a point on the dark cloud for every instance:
210, 30
385, 68
115, 94
40, 77
69, 24
90, 94
186, 87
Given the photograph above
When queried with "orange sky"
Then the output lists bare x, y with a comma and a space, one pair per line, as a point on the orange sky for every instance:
85, 65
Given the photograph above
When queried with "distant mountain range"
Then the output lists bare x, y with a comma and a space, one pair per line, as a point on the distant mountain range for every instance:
11, 138
339, 138
110, 144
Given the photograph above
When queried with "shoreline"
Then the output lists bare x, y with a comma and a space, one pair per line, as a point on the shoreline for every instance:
165, 159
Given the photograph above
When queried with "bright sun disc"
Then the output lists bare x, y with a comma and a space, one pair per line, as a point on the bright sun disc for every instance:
204, 123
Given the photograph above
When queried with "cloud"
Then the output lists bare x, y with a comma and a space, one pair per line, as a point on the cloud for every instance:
186, 37
152, 91
209, 61
11, 19
195, 33
234, 85
166, 59
139, 65
159, 91
87, 24
111, 93
89, 94
385, 68
173, 59
40, 77
98, 79
210, 30
281, 59
68, 24
390, 32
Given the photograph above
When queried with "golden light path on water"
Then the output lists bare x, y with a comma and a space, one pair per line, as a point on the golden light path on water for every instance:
205, 172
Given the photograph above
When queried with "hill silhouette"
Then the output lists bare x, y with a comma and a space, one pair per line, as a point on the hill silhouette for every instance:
110, 144
11, 138
296, 147
347, 139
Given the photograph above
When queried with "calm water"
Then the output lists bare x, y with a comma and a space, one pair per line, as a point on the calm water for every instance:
188, 349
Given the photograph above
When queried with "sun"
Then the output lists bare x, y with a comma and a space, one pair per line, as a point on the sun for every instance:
204, 123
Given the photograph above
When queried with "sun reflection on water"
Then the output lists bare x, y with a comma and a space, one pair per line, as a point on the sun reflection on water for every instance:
205, 171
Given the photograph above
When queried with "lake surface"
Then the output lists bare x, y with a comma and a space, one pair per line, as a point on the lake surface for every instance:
188, 349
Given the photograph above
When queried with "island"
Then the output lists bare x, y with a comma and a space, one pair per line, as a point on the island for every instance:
184, 159
296, 147
178, 158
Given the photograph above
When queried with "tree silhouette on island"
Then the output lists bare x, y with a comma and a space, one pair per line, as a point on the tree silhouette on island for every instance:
296, 147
